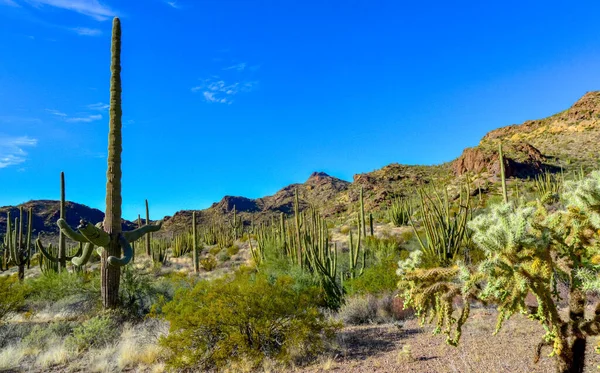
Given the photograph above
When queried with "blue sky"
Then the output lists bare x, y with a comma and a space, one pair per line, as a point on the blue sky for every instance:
244, 97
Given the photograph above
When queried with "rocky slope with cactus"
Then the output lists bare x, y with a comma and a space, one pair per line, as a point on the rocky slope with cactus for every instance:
565, 140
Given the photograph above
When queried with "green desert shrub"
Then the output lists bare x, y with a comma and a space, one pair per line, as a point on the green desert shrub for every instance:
96, 332
209, 263
56, 286
243, 317
12, 296
42, 336
139, 292
232, 250
379, 278
214, 250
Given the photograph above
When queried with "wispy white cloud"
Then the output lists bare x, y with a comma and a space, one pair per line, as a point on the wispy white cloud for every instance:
12, 149
87, 119
85, 31
101, 106
238, 67
218, 91
91, 8
173, 4
56, 112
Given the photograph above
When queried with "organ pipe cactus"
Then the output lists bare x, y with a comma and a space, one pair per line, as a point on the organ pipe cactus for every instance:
116, 245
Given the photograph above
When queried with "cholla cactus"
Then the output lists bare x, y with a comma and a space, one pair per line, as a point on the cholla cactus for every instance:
526, 250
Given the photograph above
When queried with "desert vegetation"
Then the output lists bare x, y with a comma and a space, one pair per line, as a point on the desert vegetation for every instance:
301, 290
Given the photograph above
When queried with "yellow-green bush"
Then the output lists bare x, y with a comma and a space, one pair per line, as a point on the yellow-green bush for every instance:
96, 332
243, 317
12, 295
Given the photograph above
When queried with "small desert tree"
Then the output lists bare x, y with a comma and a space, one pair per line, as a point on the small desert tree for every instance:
527, 249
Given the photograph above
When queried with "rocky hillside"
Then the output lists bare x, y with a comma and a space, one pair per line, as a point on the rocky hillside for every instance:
568, 139
47, 212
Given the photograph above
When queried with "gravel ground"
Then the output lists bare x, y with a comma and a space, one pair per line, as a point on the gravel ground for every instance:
387, 348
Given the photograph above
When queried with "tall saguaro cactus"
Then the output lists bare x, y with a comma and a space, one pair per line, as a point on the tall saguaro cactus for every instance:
62, 244
195, 244
112, 217
148, 248
502, 173
108, 234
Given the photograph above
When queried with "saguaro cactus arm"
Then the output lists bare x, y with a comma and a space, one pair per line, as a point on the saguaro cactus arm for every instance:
47, 255
127, 254
69, 232
93, 234
138, 233
84, 255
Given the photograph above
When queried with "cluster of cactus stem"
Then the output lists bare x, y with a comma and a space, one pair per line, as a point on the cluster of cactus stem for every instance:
303, 240
400, 211
444, 225
17, 244
159, 249
236, 225
548, 186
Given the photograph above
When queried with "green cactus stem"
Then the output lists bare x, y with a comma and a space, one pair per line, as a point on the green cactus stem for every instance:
19, 249
148, 248
138, 233
195, 245
62, 244
502, 174
93, 234
48, 255
69, 232
127, 254
362, 215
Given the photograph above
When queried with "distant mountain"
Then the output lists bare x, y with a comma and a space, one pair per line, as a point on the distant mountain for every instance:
568, 139
47, 212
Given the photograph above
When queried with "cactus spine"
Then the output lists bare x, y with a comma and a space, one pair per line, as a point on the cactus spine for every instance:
502, 174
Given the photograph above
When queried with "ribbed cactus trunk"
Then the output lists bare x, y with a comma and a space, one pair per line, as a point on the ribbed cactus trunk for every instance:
362, 215
502, 174
28, 242
62, 244
112, 219
20, 264
195, 244
148, 250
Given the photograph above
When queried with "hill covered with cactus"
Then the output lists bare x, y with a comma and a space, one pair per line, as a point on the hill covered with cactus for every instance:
569, 140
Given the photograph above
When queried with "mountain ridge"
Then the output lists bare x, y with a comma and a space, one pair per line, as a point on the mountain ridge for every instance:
566, 139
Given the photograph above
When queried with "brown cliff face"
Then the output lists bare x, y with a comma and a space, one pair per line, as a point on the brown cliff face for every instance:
521, 160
